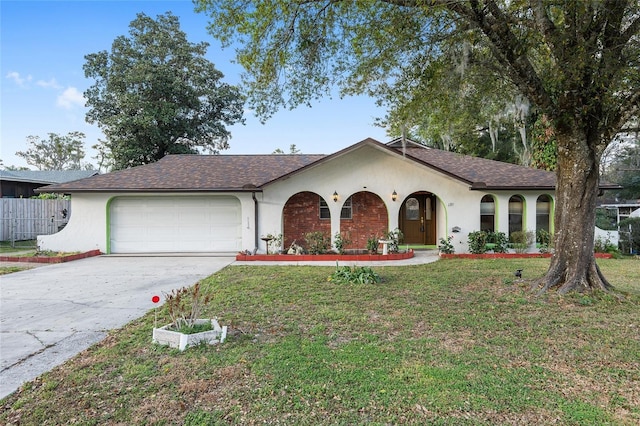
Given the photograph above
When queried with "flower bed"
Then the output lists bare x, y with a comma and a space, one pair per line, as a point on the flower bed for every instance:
509, 255
324, 257
50, 259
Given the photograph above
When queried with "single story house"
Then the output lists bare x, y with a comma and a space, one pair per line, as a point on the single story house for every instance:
227, 203
23, 183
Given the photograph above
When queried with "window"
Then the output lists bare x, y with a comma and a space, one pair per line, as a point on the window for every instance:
487, 214
516, 210
412, 209
543, 213
345, 213
324, 209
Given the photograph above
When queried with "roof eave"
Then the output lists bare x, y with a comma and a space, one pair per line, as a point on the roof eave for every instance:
146, 190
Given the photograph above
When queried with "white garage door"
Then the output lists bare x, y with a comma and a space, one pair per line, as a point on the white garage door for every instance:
175, 224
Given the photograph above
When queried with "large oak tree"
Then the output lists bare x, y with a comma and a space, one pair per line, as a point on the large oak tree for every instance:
155, 94
576, 61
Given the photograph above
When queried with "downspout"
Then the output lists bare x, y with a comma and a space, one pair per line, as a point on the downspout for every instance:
255, 225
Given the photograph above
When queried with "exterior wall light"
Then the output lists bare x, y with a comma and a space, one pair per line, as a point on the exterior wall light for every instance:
335, 196
394, 195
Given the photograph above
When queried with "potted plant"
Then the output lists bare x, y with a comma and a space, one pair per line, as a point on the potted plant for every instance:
186, 328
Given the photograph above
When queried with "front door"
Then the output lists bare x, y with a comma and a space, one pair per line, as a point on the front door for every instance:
418, 219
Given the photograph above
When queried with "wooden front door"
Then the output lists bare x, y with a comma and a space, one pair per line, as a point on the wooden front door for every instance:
418, 219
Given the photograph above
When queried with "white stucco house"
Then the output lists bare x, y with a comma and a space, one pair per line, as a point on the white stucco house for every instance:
226, 203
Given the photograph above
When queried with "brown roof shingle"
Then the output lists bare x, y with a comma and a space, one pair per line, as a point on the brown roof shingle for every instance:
193, 173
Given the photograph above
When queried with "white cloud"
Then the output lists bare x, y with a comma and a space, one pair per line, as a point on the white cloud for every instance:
53, 84
70, 97
17, 78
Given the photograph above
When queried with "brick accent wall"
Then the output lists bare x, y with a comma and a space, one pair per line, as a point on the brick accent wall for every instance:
369, 219
301, 214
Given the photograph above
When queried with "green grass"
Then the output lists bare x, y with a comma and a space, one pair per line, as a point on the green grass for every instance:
454, 342
11, 269
17, 246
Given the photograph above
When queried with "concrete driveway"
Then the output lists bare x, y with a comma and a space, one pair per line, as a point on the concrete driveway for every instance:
50, 313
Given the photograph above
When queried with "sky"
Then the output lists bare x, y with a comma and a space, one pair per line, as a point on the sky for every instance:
42, 50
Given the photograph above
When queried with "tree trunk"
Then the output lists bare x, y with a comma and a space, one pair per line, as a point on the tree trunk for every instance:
573, 265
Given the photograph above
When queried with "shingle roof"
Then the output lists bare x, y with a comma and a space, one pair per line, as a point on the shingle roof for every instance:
193, 173
250, 172
481, 173
45, 176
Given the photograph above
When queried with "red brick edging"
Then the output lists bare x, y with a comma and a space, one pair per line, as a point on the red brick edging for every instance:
50, 259
326, 257
509, 255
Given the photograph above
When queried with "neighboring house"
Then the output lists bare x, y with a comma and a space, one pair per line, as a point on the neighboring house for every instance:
226, 203
624, 210
23, 183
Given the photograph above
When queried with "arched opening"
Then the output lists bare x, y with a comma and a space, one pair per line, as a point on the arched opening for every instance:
516, 214
488, 214
368, 219
304, 212
417, 218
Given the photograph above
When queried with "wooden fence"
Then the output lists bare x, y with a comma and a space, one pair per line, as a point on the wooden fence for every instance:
23, 219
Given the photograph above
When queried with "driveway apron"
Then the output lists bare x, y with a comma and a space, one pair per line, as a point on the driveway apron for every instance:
49, 314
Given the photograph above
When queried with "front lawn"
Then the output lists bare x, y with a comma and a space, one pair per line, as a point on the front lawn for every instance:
453, 342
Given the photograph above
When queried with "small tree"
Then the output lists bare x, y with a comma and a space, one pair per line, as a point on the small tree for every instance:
56, 153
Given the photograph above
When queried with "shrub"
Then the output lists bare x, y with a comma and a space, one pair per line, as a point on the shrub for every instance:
499, 240
317, 242
477, 242
354, 275
372, 244
605, 245
521, 240
445, 245
339, 242
543, 238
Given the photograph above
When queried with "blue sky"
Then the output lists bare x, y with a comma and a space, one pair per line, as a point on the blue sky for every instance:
42, 49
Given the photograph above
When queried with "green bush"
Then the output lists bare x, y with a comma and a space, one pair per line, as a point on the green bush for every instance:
543, 238
499, 240
521, 240
372, 244
317, 242
445, 245
339, 242
477, 242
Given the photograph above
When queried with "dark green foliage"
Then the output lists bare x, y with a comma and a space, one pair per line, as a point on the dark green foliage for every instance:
445, 245
499, 241
155, 94
477, 242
